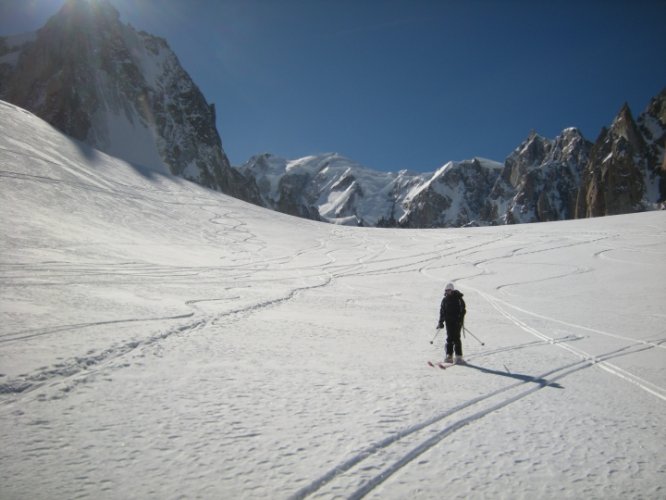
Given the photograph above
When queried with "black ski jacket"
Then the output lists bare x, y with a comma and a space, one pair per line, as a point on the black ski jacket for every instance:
452, 309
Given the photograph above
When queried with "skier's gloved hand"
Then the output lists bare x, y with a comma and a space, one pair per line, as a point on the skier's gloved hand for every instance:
440, 326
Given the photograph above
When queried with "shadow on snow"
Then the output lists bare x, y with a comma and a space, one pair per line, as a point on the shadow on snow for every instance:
525, 378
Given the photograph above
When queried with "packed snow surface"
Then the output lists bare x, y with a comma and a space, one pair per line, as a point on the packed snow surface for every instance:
159, 340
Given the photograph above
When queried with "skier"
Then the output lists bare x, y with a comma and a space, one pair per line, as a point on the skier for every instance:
452, 313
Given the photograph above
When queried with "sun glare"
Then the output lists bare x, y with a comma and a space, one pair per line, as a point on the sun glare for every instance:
37, 7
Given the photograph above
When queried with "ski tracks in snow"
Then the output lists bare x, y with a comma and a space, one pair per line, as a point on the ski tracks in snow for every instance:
313, 266
632, 346
68, 373
376, 463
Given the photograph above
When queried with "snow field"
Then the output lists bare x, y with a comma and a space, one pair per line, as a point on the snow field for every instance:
159, 340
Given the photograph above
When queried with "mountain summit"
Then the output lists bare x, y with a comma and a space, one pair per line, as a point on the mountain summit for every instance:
121, 91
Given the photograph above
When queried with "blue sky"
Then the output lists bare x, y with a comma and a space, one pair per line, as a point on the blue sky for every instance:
396, 84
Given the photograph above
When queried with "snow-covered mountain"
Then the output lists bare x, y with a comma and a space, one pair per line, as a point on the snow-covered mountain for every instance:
542, 180
120, 91
336, 189
124, 92
163, 340
331, 187
453, 196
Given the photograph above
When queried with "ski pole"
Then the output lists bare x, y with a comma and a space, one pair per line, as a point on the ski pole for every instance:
477, 338
437, 333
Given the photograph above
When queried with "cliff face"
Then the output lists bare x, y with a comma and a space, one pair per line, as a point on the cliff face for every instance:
121, 91
613, 181
652, 125
539, 181
626, 170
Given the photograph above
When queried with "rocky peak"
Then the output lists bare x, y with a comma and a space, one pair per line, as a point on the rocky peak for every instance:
614, 178
652, 124
120, 91
539, 181
532, 152
570, 146
624, 127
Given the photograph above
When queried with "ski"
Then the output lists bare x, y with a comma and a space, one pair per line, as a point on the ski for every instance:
440, 364
444, 365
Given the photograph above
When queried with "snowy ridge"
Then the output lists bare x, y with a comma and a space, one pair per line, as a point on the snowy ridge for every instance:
340, 190
335, 189
160, 339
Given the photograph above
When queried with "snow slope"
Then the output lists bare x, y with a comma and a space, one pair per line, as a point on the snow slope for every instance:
159, 340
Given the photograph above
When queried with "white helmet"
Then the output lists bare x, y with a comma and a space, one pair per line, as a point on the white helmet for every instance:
448, 287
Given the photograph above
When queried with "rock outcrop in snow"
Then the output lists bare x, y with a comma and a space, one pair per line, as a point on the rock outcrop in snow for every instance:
119, 90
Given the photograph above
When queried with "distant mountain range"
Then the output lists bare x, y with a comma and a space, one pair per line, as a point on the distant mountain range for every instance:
124, 92
568, 177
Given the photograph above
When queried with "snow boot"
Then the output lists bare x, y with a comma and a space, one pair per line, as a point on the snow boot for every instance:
460, 360
448, 359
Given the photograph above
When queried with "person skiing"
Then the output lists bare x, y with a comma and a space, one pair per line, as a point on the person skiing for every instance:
452, 313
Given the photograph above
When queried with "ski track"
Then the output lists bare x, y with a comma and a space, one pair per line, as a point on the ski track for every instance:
494, 301
423, 436
71, 369
230, 226
643, 384
40, 332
